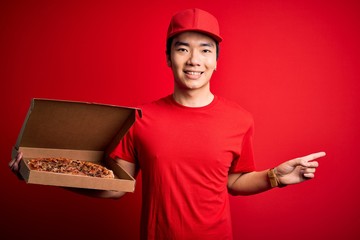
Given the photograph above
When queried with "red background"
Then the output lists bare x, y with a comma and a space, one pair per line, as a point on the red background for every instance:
293, 64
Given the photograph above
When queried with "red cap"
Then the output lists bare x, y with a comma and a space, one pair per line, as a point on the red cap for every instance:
194, 20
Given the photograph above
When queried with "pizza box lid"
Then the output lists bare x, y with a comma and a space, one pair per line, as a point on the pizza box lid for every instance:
77, 130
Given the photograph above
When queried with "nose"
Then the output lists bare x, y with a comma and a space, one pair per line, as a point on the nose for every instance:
194, 59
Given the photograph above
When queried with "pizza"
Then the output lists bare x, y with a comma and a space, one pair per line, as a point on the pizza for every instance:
70, 166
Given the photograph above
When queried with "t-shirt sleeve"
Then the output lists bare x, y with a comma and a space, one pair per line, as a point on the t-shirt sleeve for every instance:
125, 149
245, 162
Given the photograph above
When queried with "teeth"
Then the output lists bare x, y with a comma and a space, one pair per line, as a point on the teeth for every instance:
194, 73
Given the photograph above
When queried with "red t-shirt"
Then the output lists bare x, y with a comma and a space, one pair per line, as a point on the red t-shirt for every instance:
185, 155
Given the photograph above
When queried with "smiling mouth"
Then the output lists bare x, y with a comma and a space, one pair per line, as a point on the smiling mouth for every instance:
193, 73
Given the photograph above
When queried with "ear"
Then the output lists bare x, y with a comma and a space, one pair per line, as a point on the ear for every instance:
168, 60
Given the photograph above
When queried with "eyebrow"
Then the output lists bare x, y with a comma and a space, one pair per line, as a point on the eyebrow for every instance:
205, 44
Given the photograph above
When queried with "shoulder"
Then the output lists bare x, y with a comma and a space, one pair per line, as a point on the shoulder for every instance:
234, 108
156, 103
155, 108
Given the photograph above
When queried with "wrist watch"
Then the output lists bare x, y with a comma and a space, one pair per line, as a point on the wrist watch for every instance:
274, 180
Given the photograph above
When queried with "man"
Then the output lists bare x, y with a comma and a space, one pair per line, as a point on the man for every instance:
194, 147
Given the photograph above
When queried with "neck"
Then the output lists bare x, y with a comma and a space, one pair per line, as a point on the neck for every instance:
193, 98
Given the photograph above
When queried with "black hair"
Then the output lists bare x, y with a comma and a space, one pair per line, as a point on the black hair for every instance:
170, 40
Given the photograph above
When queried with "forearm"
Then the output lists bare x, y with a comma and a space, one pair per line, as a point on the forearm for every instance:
249, 183
97, 193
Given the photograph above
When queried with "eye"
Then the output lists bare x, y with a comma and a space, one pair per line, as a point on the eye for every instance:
207, 51
181, 50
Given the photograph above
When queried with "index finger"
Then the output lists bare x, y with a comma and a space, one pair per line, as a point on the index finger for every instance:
313, 156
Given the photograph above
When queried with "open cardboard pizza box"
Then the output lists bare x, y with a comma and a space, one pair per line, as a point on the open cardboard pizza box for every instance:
75, 130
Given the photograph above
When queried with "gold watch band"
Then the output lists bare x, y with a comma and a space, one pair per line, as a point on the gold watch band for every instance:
274, 180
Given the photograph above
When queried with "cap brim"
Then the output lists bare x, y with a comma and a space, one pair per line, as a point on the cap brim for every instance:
213, 36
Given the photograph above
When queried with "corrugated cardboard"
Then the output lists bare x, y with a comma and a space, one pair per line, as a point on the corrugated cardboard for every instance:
76, 130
